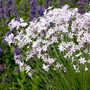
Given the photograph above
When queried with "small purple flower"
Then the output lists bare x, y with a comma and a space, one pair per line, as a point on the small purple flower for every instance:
1, 50
51, 24
32, 9
41, 10
10, 2
15, 13
33, 2
61, 3
31, 16
17, 70
47, 3
17, 19
10, 8
7, 12
81, 11
0, 3
16, 51
3, 41
82, 3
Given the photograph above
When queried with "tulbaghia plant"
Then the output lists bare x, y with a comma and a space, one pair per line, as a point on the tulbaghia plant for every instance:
61, 31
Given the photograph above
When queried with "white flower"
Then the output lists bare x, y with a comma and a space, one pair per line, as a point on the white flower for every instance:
23, 24
70, 35
46, 67
78, 54
88, 61
86, 51
10, 38
61, 47
36, 43
82, 60
27, 68
86, 68
30, 74
58, 66
76, 68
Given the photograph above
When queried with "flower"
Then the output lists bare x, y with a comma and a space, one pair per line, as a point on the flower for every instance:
82, 3
1, 50
1, 2
10, 2
2, 42
1, 12
40, 10
10, 38
82, 60
32, 9
45, 67
16, 51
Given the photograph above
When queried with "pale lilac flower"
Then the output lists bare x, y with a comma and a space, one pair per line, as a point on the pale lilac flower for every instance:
58, 66
78, 54
88, 61
10, 38
86, 69
82, 60
86, 51
27, 68
46, 67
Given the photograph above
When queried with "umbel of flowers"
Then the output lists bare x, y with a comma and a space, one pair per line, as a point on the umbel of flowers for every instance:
63, 29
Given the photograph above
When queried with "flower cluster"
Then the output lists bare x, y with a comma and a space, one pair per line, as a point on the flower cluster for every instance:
64, 27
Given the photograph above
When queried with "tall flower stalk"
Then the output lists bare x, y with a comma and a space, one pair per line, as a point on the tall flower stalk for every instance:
41, 10
32, 9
